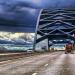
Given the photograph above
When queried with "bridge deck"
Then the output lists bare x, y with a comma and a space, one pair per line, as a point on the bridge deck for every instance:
56, 63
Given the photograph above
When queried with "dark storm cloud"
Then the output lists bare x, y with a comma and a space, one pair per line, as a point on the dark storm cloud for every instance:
21, 15
15, 17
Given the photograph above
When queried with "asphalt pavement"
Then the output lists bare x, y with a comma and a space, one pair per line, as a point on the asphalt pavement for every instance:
56, 63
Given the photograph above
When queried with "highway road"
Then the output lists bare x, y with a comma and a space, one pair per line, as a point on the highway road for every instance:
56, 63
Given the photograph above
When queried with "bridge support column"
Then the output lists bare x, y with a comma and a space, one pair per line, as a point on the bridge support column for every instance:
34, 44
74, 45
48, 45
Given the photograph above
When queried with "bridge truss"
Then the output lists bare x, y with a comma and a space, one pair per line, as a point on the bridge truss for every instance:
55, 25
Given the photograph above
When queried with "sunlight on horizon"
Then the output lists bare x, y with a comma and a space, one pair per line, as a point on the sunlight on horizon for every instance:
12, 35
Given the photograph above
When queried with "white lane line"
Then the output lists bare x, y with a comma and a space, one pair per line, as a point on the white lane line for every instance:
34, 73
46, 65
55, 67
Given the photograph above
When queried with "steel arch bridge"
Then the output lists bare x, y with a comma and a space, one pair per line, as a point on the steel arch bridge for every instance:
55, 25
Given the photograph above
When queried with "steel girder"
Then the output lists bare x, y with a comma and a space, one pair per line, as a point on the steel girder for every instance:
56, 24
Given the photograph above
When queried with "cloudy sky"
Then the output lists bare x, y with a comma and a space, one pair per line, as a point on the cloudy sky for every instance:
19, 38
21, 15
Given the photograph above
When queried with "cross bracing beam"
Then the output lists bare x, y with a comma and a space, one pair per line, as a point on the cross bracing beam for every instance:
65, 30
40, 32
58, 11
63, 19
44, 37
63, 14
56, 32
72, 21
45, 25
73, 38
51, 14
71, 32
56, 21
73, 13
68, 23
52, 37
58, 15
62, 33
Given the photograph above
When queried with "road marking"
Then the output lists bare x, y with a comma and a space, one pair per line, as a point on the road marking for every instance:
46, 65
34, 73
